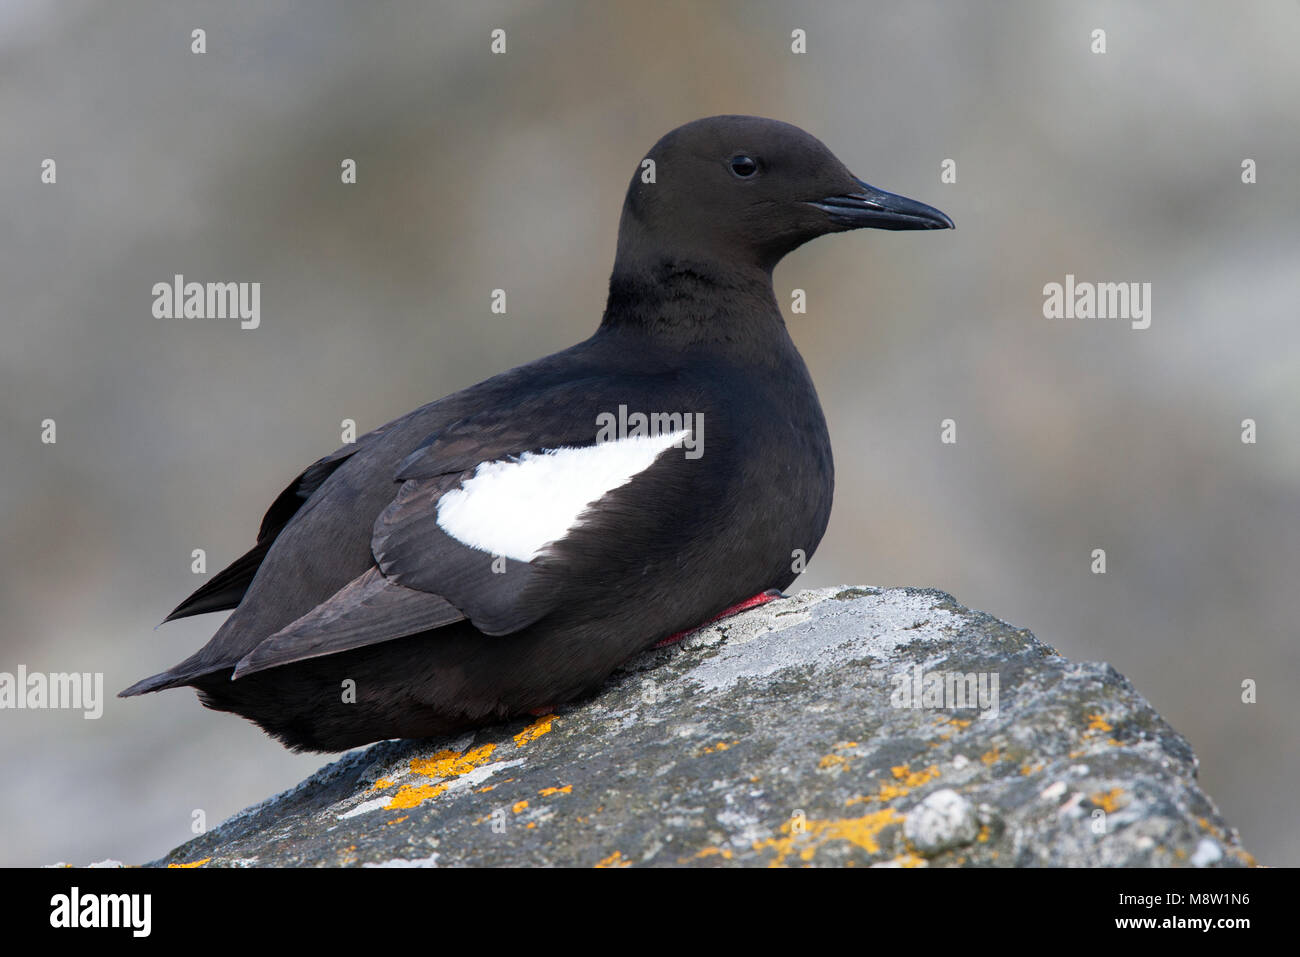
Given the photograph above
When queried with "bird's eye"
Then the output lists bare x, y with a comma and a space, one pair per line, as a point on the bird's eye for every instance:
744, 166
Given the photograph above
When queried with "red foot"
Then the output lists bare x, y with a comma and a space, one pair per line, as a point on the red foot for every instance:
771, 594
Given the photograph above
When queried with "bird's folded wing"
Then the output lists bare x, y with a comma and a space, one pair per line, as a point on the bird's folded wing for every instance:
370, 609
476, 528
486, 502
226, 588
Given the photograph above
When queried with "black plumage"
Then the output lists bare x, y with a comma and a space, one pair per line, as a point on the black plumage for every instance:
355, 576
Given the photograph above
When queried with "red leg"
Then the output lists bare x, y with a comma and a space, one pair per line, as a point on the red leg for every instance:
771, 594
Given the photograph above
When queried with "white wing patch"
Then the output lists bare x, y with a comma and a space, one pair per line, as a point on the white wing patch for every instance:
515, 508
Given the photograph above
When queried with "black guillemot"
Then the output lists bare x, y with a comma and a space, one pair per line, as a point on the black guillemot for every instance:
505, 548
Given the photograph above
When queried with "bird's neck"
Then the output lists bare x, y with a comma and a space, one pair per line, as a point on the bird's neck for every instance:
686, 302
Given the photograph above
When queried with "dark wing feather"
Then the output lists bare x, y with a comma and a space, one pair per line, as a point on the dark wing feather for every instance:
413, 551
226, 588
370, 609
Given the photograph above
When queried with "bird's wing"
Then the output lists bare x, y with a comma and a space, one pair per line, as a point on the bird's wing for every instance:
226, 588
370, 609
478, 527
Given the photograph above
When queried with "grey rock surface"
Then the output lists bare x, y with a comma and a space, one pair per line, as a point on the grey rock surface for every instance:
829, 728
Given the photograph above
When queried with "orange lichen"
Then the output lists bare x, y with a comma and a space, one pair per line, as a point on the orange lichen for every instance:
833, 761
1108, 801
413, 795
191, 863
614, 860
451, 764
1097, 723
720, 746
519, 806
534, 731
547, 792
810, 836
888, 790
914, 779
443, 764
381, 784
724, 853
398, 820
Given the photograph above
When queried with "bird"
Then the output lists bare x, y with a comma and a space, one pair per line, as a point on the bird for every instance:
501, 551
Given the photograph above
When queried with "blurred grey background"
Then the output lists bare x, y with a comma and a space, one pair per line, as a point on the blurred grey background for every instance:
478, 171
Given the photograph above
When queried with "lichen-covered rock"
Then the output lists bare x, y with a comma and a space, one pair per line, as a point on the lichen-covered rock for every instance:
944, 819
842, 726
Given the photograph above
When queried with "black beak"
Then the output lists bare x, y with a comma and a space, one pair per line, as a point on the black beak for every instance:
874, 208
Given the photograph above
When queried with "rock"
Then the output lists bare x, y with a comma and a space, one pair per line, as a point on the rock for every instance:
822, 729
944, 819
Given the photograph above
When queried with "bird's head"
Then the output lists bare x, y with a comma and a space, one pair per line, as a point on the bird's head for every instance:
746, 190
